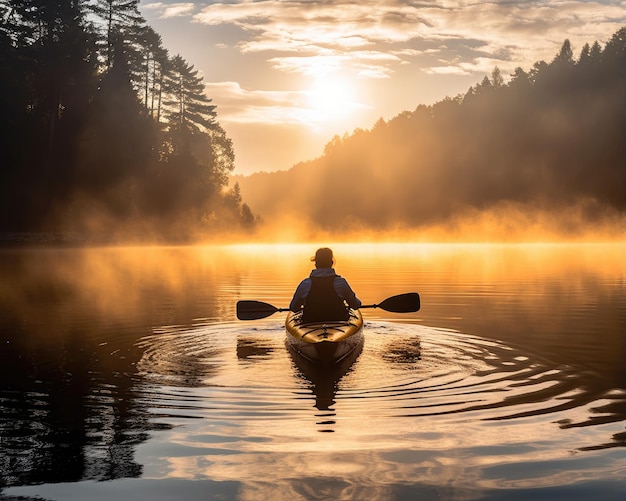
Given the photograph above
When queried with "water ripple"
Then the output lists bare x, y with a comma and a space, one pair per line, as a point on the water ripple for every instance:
243, 374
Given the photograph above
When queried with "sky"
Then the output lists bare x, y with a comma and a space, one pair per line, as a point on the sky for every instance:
286, 76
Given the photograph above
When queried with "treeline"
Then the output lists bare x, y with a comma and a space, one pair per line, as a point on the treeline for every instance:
551, 137
103, 131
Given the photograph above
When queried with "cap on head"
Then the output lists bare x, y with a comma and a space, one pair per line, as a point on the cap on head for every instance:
323, 258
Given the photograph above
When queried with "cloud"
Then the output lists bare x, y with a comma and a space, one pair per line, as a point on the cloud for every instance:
171, 10
446, 70
293, 25
303, 108
504, 33
344, 33
372, 64
239, 105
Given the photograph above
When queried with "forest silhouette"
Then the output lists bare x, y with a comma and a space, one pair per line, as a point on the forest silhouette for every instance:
107, 136
104, 133
541, 154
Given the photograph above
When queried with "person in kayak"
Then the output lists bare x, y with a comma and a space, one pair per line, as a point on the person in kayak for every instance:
324, 295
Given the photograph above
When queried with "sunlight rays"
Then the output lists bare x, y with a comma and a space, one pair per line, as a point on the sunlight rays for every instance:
402, 53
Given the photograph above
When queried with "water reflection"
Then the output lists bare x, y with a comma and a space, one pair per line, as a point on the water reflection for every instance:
120, 363
324, 380
252, 349
69, 413
401, 424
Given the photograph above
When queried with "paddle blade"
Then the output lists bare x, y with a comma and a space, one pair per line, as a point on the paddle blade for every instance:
402, 303
253, 310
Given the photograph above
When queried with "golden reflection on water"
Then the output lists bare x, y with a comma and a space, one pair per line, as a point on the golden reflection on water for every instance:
462, 412
507, 292
107, 275
508, 377
370, 452
529, 292
446, 436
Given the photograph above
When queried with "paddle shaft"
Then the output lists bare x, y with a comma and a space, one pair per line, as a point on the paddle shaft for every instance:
402, 303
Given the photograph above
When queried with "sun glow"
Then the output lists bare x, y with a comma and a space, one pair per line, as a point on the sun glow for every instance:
331, 99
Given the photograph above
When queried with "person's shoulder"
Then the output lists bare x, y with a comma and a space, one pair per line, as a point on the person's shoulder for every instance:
323, 273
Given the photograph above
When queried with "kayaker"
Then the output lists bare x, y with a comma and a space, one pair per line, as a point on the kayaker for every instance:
324, 295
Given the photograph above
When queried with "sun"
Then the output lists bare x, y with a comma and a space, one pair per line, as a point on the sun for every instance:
331, 99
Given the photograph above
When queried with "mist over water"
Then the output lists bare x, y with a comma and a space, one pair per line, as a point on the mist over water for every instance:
536, 155
128, 365
582, 222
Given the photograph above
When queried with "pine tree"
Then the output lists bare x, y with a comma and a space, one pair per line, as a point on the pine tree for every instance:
120, 19
155, 65
188, 108
565, 57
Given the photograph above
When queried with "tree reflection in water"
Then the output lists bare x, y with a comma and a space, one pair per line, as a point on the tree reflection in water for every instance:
69, 409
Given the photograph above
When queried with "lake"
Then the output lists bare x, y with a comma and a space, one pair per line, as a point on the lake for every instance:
124, 374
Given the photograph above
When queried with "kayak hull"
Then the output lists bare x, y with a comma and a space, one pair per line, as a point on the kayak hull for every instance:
325, 343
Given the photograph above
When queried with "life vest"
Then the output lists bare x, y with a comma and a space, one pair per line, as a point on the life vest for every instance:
323, 303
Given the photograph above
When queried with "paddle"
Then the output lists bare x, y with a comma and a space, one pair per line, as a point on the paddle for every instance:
253, 310
402, 303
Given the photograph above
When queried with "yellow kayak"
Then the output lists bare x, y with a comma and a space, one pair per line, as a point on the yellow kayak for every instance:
324, 342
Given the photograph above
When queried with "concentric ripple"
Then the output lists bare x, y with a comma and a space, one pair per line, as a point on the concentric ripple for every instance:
245, 375
457, 373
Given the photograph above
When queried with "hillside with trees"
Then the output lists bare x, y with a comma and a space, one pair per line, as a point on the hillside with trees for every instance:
104, 133
550, 140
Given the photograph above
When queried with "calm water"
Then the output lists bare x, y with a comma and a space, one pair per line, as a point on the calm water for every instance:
125, 375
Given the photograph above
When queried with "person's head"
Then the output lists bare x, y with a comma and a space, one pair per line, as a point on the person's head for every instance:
323, 258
